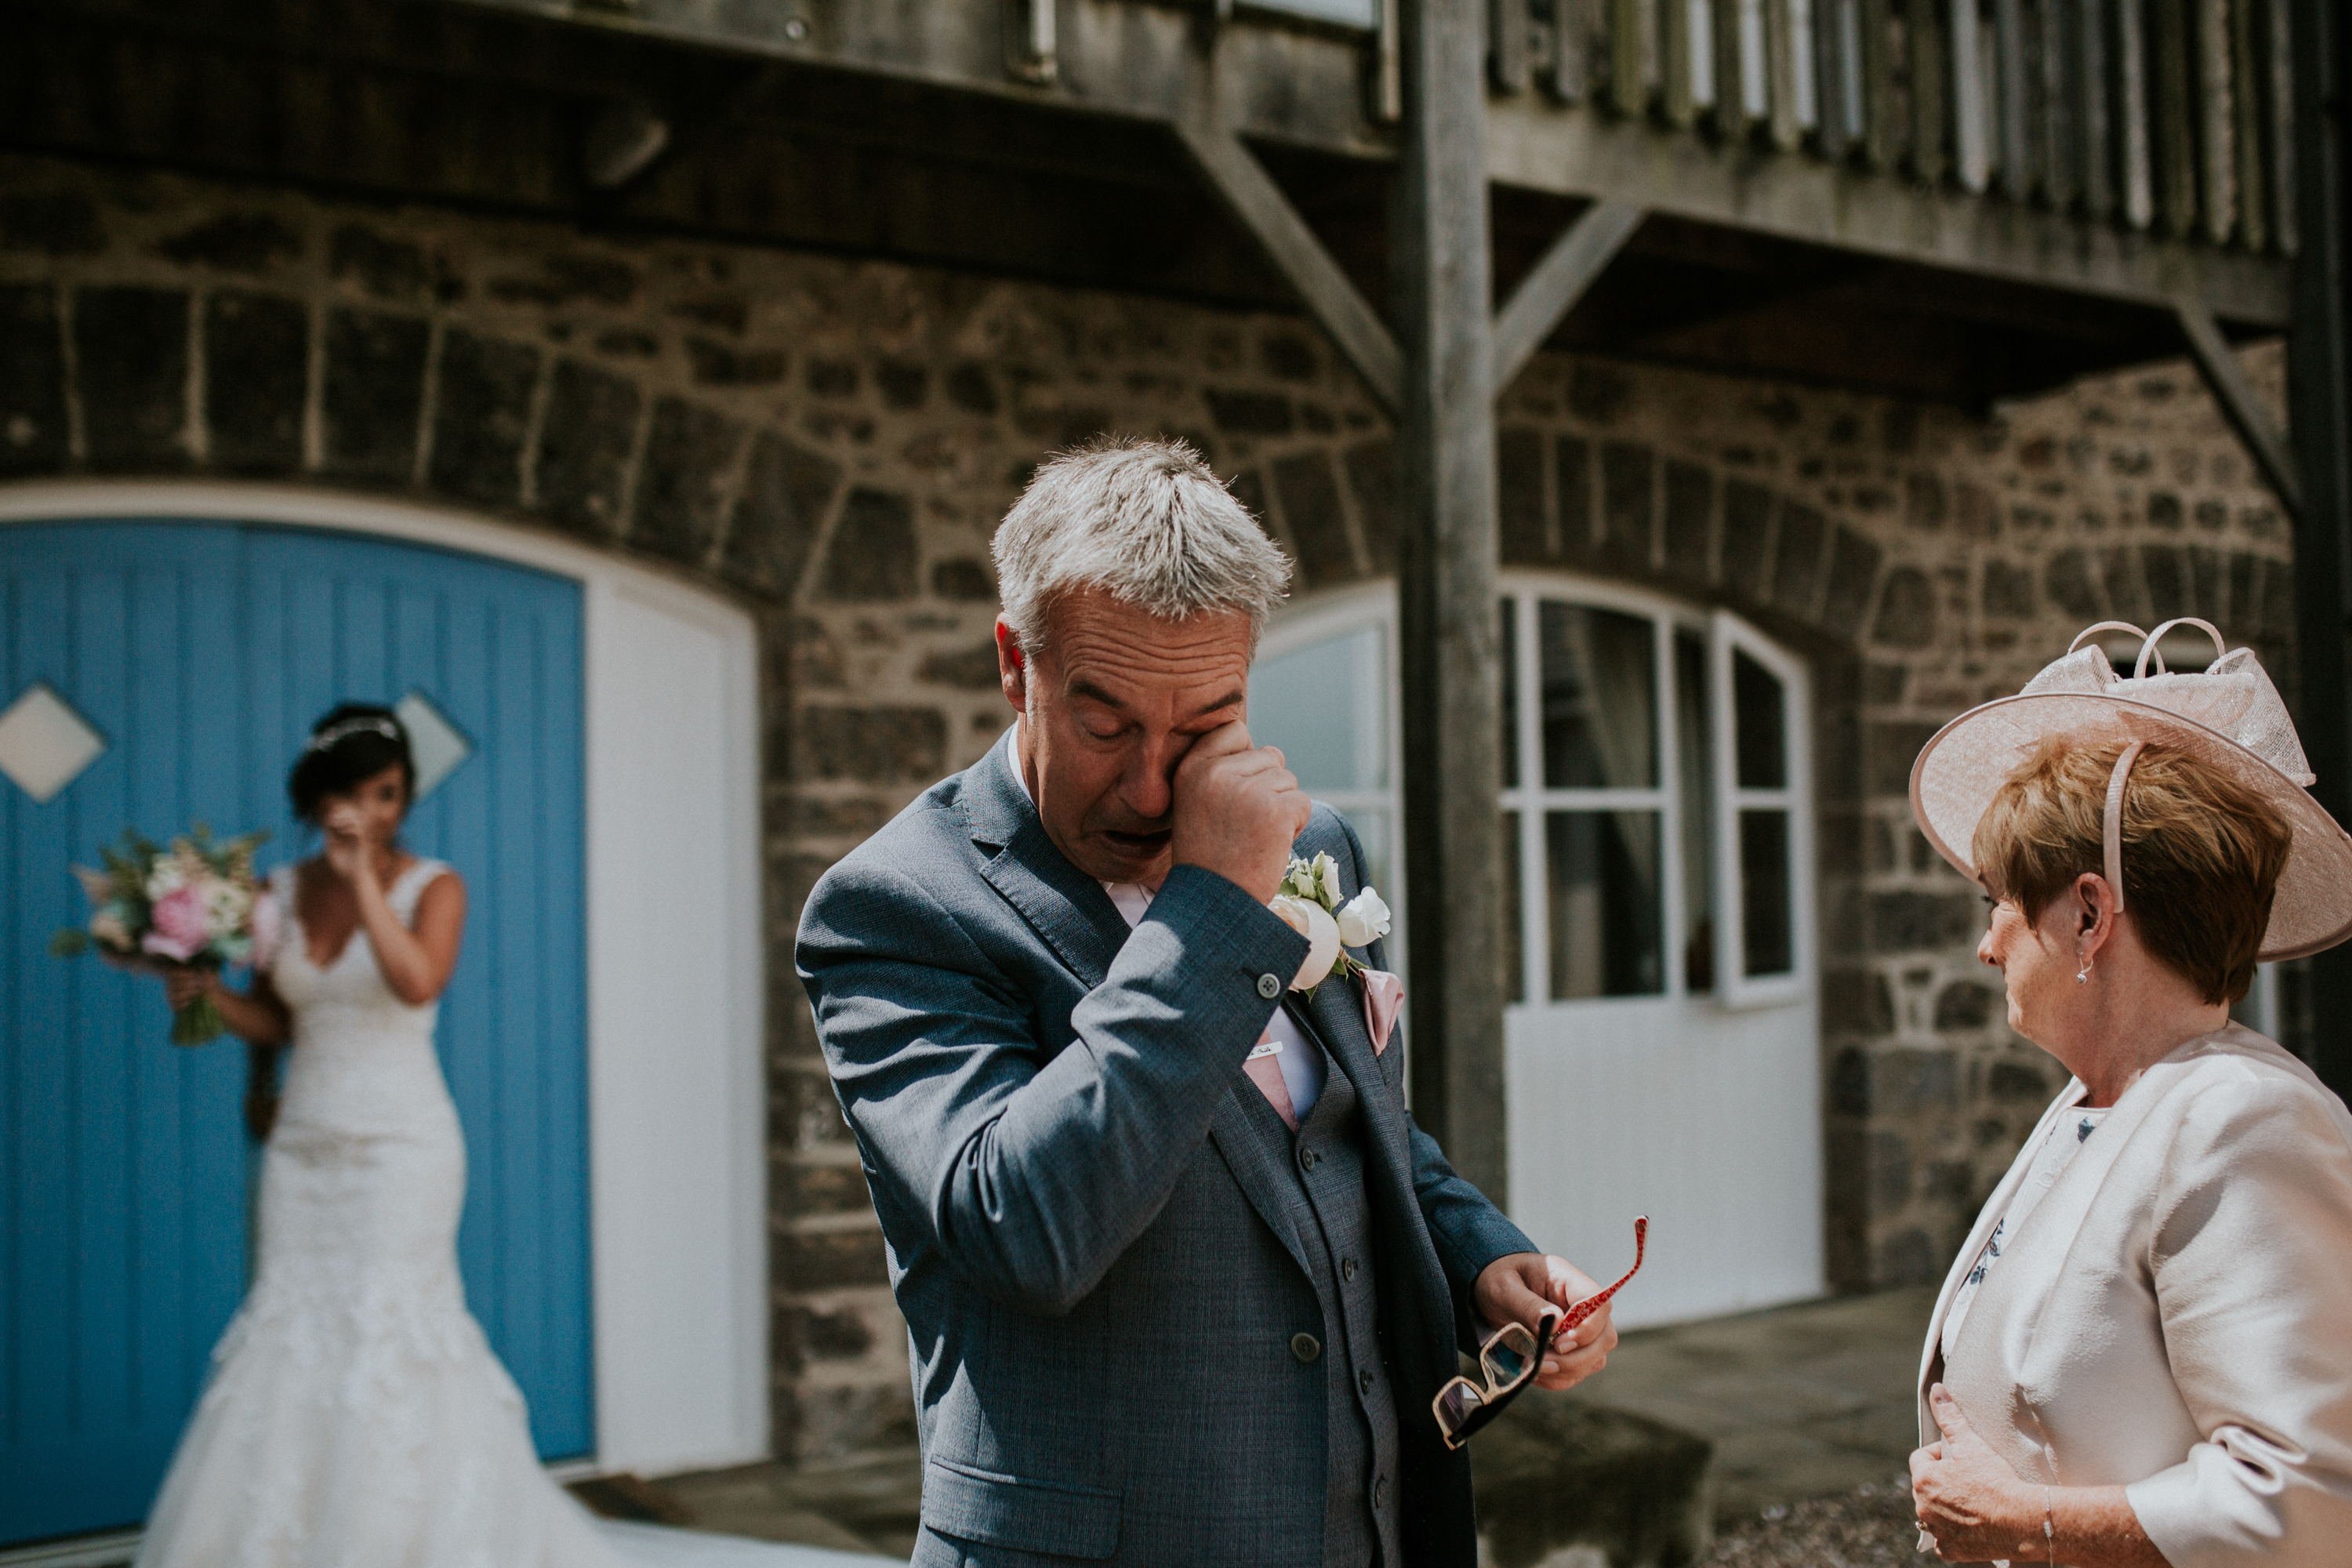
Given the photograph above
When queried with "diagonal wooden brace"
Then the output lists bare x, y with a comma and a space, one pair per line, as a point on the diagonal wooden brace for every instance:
2240, 405
1250, 194
1546, 295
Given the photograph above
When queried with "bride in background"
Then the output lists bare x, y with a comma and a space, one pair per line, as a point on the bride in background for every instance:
355, 1415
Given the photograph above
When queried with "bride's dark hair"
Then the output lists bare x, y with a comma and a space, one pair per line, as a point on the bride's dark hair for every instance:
357, 741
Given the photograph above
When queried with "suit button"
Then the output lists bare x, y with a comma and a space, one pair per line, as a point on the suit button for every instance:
1268, 987
1307, 1159
1363, 1383
1347, 1268
1305, 1347
1381, 1492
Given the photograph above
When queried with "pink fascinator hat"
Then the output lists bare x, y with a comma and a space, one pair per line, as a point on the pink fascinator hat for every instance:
2229, 716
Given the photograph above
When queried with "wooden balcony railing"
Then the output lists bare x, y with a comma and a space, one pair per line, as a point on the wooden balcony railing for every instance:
2171, 117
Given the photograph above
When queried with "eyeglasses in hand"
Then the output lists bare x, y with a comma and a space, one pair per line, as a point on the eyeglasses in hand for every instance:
1511, 1355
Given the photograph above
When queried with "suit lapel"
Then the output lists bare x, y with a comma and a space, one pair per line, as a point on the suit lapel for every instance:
1064, 906
1256, 1150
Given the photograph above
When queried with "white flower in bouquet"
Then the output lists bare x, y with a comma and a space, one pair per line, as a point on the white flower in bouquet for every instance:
192, 904
1310, 901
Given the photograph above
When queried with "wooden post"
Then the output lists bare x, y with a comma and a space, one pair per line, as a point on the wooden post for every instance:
1445, 592
2320, 411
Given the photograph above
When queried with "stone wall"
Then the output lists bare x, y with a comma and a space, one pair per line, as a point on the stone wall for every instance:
831, 442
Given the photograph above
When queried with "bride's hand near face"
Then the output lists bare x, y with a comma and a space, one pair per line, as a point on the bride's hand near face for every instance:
349, 854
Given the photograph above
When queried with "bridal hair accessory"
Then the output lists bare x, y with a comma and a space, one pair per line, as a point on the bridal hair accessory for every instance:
335, 734
2229, 717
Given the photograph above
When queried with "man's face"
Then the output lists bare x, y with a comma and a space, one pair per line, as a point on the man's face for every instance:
1109, 707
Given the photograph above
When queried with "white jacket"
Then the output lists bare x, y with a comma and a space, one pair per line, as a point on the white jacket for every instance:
2176, 1314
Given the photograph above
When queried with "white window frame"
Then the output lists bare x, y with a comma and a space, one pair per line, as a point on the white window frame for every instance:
1337, 614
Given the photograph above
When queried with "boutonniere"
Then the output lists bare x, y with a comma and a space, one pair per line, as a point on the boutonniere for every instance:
1309, 903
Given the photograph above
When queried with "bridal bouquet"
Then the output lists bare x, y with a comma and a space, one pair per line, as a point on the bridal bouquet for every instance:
194, 904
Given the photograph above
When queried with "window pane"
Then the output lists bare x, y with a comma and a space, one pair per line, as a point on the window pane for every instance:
1326, 707
1509, 623
1600, 698
1695, 747
1756, 715
1515, 967
1766, 937
1602, 897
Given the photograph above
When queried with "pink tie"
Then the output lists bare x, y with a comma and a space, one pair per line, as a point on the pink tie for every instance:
1266, 1071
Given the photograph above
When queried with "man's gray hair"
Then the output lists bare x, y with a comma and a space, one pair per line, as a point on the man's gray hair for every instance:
1147, 523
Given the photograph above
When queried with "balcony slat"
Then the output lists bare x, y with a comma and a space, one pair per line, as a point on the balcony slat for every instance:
2172, 129
1781, 73
2217, 170
1730, 49
1507, 44
1629, 88
2094, 148
1923, 41
2056, 176
1971, 153
1883, 127
1837, 77
2133, 180
1571, 50
2010, 103
2246, 68
1677, 100
2278, 50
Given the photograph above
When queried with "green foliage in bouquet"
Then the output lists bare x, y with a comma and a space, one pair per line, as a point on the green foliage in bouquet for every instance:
193, 905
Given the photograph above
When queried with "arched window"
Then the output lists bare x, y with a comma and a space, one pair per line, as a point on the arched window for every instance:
1662, 1035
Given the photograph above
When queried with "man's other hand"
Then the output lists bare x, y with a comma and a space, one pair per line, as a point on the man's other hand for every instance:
1522, 1287
1237, 810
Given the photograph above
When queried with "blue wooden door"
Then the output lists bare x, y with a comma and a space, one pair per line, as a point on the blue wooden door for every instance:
199, 654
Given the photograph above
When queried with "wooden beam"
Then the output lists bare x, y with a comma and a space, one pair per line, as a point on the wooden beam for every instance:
2095, 161
1507, 44
1258, 204
1544, 298
2135, 184
1447, 638
2241, 406
1971, 145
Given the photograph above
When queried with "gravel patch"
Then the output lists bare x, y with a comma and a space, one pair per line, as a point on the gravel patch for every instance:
1871, 1526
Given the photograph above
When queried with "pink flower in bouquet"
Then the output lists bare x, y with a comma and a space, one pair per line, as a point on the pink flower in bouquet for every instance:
269, 929
179, 931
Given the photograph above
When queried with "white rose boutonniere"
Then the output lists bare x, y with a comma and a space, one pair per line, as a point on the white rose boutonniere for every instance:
1309, 903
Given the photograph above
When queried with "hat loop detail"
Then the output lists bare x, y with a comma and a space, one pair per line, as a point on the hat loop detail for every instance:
2093, 631
2147, 646
2113, 833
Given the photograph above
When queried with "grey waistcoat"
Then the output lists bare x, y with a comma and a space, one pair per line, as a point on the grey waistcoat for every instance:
1333, 1218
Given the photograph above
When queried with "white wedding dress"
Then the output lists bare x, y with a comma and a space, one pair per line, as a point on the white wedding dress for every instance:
355, 1415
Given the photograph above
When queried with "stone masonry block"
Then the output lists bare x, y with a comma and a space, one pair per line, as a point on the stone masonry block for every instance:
803, 1334
1890, 1172
1250, 412
481, 417
32, 382
2277, 618
1965, 1004
2246, 596
1797, 560
1746, 534
2208, 589
256, 377
1909, 922
583, 447
804, 1188
873, 745
830, 1259
385, 267
247, 242
2125, 601
969, 388
1907, 610
1856, 1001
2007, 591
1629, 501
1371, 475
903, 384
1689, 519
2167, 589
2017, 1083
1853, 572
873, 557
1572, 470
963, 582
374, 391
688, 454
131, 356
1521, 534
1908, 1257
61, 224
1893, 748
2066, 578
785, 497
1309, 496
1906, 1083
966, 669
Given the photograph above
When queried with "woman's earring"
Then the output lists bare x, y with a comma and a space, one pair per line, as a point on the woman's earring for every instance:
2082, 975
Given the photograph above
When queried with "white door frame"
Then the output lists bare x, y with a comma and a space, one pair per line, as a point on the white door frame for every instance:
675, 1086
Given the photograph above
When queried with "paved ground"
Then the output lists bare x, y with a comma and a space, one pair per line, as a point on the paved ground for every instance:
1810, 1401
1807, 1402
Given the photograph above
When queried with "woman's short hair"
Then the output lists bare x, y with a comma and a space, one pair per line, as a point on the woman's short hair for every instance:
1147, 523
2203, 853
356, 741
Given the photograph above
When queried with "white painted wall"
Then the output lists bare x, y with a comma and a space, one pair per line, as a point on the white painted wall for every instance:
674, 990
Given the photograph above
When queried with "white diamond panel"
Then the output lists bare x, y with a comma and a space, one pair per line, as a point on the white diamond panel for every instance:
44, 743
435, 745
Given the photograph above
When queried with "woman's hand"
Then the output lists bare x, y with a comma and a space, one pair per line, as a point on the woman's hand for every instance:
182, 985
348, 853
1969, 1499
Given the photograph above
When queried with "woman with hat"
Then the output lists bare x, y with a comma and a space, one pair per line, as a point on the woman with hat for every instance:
2143, 1354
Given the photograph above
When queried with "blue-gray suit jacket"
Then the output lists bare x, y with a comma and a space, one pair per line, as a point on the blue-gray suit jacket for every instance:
1088, 1236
